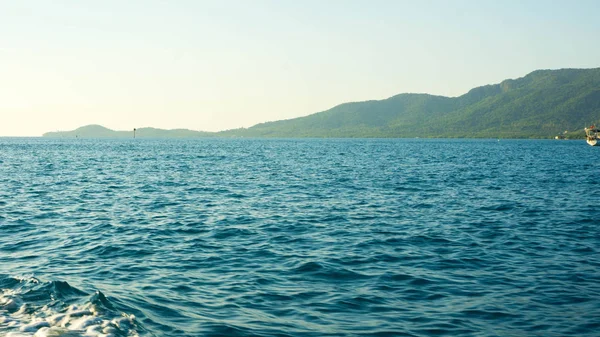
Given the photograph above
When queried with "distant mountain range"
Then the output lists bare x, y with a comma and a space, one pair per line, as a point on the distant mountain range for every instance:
543, 104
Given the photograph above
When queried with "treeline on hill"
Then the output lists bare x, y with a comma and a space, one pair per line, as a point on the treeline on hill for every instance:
543, 104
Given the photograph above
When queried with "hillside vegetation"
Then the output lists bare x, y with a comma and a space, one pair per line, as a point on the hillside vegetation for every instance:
543, 104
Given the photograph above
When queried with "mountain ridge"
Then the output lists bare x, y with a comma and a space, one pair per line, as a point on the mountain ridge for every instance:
541, 104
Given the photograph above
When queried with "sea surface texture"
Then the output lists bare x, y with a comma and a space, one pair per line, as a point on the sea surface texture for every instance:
238, 237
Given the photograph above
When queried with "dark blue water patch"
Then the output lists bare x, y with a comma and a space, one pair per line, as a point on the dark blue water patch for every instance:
311, 237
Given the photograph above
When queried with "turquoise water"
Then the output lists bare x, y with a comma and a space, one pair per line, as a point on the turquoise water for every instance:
218, 237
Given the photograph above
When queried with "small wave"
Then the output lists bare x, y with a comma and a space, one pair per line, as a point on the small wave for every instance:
16, 227
326, 271
31, 307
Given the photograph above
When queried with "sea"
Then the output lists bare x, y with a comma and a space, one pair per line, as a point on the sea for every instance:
299, 237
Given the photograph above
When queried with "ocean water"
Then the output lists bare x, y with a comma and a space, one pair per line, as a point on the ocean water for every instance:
237, 237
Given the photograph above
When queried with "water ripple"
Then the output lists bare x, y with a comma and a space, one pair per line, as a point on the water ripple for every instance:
243, 237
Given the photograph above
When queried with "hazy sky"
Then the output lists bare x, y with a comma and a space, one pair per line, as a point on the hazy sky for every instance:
214, 65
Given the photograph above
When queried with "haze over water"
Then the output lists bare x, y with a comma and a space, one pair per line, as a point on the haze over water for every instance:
221, 237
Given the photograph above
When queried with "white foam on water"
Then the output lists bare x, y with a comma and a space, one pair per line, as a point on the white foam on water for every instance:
9, 300
34, 326
84, 322
17, 334
19, 319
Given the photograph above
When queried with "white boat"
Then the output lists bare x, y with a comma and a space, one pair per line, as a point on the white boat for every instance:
592, 135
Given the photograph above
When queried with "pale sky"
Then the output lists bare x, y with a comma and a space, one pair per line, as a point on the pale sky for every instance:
215, 65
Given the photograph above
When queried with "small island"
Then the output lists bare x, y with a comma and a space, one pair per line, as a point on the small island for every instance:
99, 131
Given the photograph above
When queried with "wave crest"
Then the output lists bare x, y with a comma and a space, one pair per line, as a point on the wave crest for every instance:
31, 307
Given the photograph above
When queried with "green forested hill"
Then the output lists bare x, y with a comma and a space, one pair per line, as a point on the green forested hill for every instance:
539, 105
543, 104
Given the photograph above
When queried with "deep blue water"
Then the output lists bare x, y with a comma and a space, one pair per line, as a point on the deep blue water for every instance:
217, 237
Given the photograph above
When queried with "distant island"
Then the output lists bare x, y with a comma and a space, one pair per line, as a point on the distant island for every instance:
98, 131
543, 104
